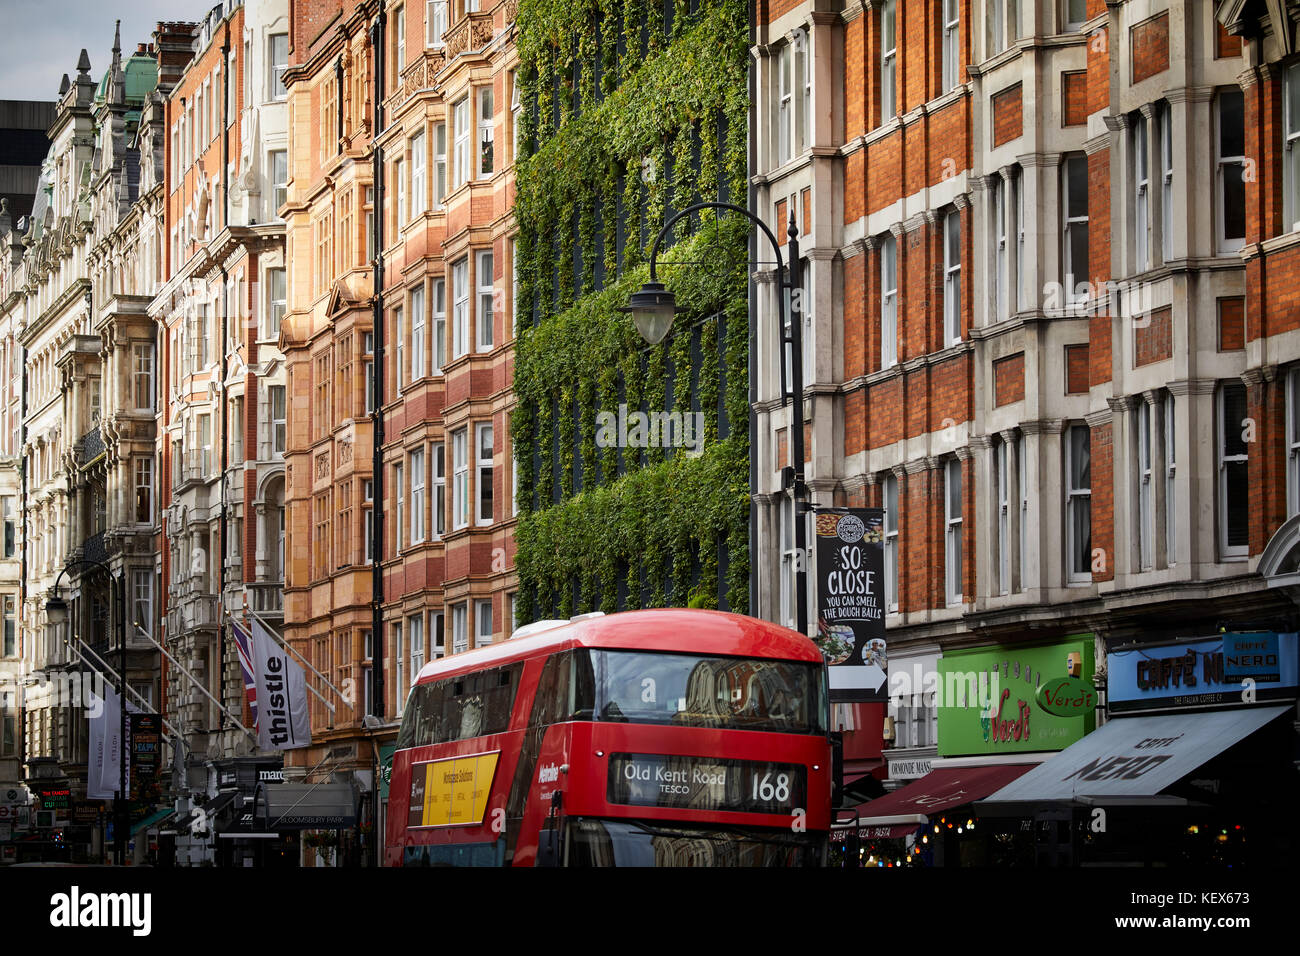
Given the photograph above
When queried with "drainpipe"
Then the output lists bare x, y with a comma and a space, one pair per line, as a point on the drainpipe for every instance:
221, 375
377, 299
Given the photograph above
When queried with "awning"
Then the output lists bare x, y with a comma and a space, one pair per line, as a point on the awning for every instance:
306, 806
1131, 759
184, 823
937, 791
154, 819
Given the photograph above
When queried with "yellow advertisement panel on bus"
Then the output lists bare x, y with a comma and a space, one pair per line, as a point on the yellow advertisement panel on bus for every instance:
452, 792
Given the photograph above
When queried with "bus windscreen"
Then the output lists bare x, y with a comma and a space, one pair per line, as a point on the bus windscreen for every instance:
689, 690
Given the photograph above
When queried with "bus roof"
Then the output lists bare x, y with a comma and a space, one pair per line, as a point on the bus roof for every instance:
681, 630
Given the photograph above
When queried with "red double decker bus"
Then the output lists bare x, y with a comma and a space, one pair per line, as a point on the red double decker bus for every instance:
646, 738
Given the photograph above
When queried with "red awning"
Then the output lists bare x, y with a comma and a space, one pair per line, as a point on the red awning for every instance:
937, 791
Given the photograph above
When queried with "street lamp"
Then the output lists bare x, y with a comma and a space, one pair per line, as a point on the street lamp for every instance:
652, 308
56, 614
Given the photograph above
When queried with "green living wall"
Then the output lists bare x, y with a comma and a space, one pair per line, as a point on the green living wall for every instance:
631, 110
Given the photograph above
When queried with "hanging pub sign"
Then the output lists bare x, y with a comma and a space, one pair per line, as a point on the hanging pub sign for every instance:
850, 601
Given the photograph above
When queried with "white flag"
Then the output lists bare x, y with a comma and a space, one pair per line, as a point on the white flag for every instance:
282, 719
103, 770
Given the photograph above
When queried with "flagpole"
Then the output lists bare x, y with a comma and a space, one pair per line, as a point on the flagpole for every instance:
289, 647
193, 680
103, 665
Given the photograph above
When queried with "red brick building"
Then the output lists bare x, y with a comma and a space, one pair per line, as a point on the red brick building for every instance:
428, 196
1050, 330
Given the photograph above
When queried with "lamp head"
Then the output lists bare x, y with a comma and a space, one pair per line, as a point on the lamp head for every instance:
56, 610
652, 307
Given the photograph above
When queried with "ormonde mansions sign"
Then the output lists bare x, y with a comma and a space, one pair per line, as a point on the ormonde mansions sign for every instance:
850, 601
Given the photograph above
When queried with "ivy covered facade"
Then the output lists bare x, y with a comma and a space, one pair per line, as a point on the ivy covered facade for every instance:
633, 110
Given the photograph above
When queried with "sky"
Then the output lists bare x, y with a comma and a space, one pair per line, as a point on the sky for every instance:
40, 40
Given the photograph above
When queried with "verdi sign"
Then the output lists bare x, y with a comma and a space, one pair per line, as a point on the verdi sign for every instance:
994, 700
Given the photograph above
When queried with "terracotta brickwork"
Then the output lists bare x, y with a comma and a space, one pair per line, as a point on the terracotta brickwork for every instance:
1149, 44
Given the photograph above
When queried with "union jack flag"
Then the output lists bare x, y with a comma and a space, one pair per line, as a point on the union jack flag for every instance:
243, 643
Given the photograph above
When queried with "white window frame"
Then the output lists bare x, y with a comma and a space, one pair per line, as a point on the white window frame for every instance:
997, 26
1017, 279
1145, 475
415, 640
1073, 14
279, 431
142, 478
952, 543
482, 616
278, 66
368, 521
1293, 440
435, 23
439, 326
485, 160
888, 61
1002, 480
1071, 228
399, 41
951, 35
460, 479
419, 193
438, 470
891, 543
1169, 412
399, 326
1022, 487
460, 308
439, 165
1291, 148
888, 302
399, 658
1229, 551
399, 181
516, 114
1001, 260
784, 105
1165, 120
483, 471
417, 332
461, 130
1141, 195
142, 356
952, 277
460, 627
1078, 498
277, 300
483, 265
1221, 165
277, 161
142, 599
415, 461
399, 483
789, 560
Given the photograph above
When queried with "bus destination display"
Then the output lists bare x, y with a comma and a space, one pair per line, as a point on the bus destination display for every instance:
702, 783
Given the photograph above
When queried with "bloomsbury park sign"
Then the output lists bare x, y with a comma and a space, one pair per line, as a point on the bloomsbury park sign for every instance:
1015, 699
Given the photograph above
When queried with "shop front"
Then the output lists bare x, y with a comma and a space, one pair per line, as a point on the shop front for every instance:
1196, 766
1000, 712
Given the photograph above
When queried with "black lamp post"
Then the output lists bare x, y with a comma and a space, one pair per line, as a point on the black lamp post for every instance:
56, 614
652, 308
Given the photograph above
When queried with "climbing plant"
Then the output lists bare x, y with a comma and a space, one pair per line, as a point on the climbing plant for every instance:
633, 109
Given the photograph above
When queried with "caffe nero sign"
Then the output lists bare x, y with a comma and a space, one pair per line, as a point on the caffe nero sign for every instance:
850, 601
1214, 671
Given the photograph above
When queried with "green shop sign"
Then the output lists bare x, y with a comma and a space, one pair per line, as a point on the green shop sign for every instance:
989, 698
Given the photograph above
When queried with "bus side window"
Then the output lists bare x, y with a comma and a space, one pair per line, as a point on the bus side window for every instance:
582, 687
